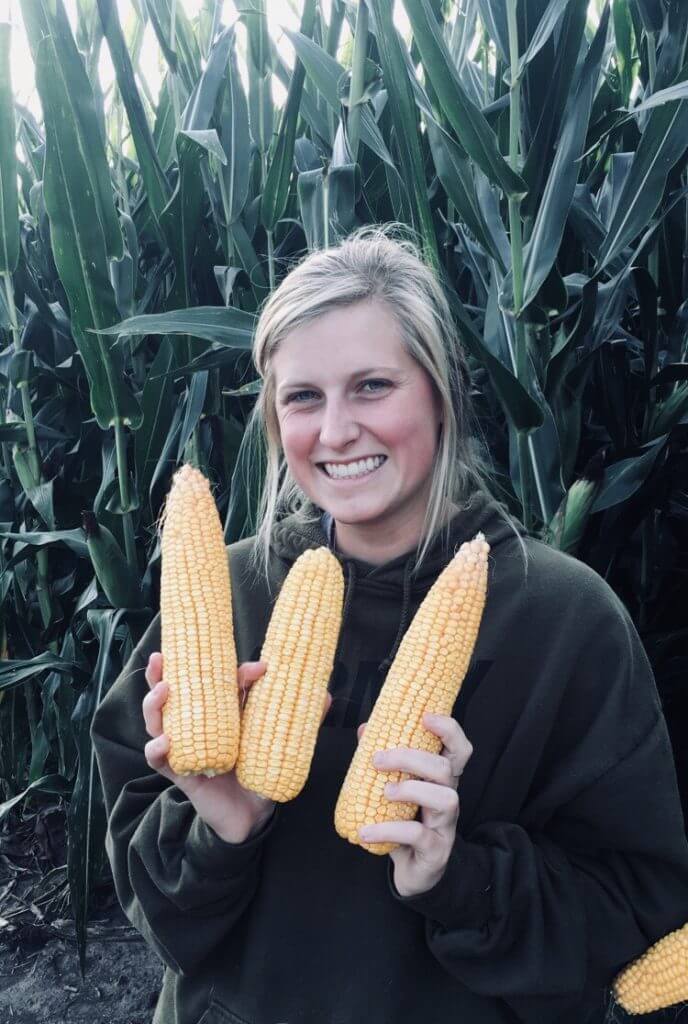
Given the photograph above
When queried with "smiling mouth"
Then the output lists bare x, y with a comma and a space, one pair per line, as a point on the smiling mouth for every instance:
360, 475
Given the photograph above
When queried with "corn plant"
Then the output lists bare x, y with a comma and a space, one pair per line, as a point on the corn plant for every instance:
538, 150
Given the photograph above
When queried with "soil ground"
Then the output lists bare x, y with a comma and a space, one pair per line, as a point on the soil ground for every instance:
40, 978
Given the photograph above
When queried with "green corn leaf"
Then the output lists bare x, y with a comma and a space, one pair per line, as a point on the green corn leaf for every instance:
542, 248
229, 326
541, 150
662, 144
651, 13
193, 407
208, 140
158, 402
243, 248
327, 202
471, 127
312, 115
73, 539
157, 187
119, 582
669, 413
9, 208
493, 17
325, 73
181, 218
622, 479
546, 25
658, 99
623, 36
79, 246
236, 140
404, 116
246, 484
456, 175
86, 820
55, 784
185, 57
77, 104
200, 107
261, 108
254, 16
276, 191
521, 409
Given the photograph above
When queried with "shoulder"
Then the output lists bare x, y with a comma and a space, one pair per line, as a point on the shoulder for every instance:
559, 583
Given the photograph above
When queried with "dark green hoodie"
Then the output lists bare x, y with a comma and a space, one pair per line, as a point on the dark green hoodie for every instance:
570, 856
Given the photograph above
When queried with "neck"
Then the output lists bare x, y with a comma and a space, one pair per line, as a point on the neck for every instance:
379, 542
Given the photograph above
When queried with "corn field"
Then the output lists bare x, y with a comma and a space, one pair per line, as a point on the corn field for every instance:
537, 148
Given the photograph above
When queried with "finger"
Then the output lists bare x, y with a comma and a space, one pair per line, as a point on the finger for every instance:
433, 767
361, 729
155, 752
408, 833
249, 671
327, 704
154, 668
442, 799
457, 744
152, 708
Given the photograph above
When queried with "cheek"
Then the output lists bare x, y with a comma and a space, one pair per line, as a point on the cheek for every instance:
297, 436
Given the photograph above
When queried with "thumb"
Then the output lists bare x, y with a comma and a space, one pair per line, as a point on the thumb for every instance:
361, 730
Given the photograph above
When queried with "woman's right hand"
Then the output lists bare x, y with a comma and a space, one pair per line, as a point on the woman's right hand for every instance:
233, 812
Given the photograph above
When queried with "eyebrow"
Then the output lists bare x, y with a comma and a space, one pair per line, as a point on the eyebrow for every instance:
358, 373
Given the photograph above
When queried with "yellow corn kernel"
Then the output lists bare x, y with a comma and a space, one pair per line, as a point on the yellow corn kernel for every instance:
658, 978
201, 713
281, 718
425, 677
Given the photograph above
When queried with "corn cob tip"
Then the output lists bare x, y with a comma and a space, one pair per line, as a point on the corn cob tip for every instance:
658, 979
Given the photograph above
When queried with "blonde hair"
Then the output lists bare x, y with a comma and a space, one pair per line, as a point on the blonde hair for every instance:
370, 265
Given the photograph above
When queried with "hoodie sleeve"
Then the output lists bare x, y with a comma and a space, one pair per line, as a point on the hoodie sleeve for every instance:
538, 915
168, 865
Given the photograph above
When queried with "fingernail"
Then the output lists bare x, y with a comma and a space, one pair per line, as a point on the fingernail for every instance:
365, 833
378, 760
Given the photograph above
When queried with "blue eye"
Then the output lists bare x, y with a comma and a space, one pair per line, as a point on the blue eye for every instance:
295, 396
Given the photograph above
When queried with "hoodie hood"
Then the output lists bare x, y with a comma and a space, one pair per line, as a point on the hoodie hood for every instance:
291, 537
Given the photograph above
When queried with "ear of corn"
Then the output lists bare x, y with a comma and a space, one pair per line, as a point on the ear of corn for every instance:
201, 713
280, 721
425, 677
658, 979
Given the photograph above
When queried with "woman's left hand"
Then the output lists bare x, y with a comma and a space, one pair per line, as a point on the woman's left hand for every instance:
425, 844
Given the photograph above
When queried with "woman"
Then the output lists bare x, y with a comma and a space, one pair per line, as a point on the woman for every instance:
549, 849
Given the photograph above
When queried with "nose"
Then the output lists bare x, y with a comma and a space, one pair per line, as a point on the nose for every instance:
337, 428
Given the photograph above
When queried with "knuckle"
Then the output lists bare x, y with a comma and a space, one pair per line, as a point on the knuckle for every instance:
467, 749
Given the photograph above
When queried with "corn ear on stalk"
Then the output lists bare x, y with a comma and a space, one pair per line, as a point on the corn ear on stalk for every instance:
657, 979
283, 709
201, 713
425, 677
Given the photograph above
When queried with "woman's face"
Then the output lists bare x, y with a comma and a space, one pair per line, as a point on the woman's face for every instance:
346, 390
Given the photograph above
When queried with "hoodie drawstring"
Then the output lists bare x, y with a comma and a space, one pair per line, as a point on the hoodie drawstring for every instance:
403, 621
350, 585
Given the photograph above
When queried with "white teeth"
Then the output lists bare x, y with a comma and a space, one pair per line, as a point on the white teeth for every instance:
360, 468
